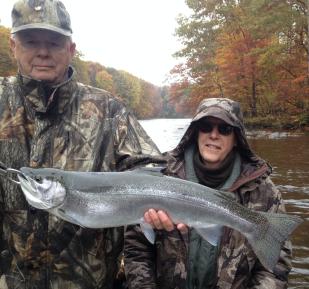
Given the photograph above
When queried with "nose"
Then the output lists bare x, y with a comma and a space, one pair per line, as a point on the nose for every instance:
42, 49
214, 132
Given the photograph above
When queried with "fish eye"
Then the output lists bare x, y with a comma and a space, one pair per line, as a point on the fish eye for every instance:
37, 179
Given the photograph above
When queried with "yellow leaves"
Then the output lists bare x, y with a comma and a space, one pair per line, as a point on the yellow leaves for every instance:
104, 80
7, 62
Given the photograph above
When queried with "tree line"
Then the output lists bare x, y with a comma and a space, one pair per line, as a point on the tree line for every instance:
253, 51
145, 99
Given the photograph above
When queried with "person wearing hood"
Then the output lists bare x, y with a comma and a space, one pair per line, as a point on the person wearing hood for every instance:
214, 152
49, 119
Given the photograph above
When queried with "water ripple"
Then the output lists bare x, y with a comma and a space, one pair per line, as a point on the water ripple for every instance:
259, 134
293, 189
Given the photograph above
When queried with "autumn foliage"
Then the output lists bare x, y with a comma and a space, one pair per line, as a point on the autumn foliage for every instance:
7, 63
144, 98
253, 51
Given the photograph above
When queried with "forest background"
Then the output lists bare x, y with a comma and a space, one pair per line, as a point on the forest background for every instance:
252, 51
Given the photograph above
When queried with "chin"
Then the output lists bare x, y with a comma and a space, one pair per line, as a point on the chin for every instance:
45, 78
47, 75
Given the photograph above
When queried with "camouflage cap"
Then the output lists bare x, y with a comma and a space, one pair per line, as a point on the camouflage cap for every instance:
41, 14
226, 109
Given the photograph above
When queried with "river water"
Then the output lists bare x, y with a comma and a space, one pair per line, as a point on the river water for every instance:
288, 153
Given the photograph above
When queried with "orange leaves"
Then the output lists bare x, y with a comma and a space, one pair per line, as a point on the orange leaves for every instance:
251, 51
104, 80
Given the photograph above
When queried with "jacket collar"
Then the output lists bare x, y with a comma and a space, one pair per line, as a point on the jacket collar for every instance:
41, 97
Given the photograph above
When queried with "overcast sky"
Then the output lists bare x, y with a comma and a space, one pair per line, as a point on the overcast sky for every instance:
132, 35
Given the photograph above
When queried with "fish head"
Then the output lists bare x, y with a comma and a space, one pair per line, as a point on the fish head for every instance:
42, 188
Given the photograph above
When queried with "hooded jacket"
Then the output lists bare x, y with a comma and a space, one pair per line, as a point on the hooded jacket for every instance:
165, 265
70, 126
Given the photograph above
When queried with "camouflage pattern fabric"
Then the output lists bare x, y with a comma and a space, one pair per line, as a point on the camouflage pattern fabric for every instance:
73, 127
41, 14
165, 264
225, 108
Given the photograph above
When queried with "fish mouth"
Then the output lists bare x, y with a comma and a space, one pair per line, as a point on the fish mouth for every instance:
30, 189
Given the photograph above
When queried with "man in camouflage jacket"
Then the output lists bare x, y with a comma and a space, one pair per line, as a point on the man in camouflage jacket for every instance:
48, 119
166, 265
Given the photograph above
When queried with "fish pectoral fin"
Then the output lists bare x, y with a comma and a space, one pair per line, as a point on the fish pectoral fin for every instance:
154, 171
61, 214
148, 231
211, 233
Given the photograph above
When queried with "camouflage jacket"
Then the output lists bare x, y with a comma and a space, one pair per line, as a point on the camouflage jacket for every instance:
164, 265
77, 127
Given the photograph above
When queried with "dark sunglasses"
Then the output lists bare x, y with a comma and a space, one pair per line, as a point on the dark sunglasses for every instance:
207, 127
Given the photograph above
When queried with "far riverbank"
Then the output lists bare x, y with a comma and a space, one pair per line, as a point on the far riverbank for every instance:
275, 123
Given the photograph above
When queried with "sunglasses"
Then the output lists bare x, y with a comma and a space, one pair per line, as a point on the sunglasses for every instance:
207, 127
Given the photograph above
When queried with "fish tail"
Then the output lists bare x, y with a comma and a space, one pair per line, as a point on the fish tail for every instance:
268, 240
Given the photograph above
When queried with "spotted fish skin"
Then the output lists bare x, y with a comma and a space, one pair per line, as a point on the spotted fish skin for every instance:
113, 199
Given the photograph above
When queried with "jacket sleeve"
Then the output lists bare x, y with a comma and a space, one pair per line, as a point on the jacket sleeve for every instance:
133, 146
139, 260
261, 277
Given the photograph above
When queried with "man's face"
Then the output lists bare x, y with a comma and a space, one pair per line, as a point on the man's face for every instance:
43, 54
213, 145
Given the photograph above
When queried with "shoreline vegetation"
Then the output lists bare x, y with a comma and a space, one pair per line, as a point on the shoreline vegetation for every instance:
271, 123
264, 67
276, 123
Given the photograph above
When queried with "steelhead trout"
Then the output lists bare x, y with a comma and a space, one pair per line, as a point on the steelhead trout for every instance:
112, 199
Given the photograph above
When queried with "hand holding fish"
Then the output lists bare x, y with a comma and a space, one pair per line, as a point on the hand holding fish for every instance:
160, 220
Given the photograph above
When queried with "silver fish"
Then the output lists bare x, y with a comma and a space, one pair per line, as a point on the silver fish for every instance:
112, 199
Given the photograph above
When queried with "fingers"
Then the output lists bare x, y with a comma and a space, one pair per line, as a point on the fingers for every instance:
166, 221
182, 228
161, 221
148, 219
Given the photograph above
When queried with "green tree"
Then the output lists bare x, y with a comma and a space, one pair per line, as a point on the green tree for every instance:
127, 87
81, 68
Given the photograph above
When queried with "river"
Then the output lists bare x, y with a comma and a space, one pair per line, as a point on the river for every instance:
288, 153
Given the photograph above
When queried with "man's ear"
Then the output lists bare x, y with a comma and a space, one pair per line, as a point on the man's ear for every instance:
72, 49
13, 45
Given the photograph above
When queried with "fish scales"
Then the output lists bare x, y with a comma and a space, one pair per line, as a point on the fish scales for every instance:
110, 199
153, 198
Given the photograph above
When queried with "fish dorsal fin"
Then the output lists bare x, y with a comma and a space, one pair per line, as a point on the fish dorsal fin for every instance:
154, 171
61, 214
